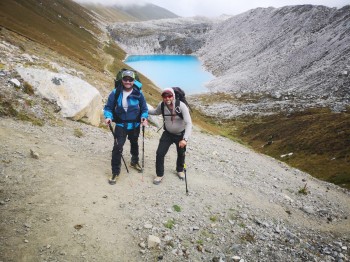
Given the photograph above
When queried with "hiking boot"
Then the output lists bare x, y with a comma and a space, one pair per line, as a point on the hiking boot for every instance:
181, 175
113, 179
136, 166
157, 180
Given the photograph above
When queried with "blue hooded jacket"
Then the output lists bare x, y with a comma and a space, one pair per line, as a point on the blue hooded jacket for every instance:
137, 108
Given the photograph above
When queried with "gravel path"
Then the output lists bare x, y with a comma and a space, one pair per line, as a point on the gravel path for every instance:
56, 203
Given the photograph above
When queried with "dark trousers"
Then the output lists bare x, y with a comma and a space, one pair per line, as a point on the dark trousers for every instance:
119, 140
164, 143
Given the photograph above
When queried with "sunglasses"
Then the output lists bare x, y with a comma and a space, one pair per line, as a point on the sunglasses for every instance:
128, 79
167, 96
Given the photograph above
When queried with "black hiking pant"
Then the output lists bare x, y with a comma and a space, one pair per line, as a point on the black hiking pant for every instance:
166, 140
119, 140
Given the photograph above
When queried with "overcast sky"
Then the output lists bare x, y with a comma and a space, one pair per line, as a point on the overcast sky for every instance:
213, 8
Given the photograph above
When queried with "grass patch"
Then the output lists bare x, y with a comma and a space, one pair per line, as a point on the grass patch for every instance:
242, 225
30, 118
177, 208
206, 234
54, 24
28, 89
318, 139
213, 218
200, 241
78, 132
170, 223
233, 215
248, 237
303, 190
11, 108
117, 54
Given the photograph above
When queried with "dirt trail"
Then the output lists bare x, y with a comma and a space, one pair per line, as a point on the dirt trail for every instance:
60, 207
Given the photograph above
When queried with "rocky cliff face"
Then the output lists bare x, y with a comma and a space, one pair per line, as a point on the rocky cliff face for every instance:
166, 36
291, 55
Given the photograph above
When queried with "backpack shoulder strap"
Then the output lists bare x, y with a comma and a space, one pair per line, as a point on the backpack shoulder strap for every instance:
177, 109
116, 95
162, 108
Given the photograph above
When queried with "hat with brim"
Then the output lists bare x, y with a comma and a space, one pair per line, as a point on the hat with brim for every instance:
129, 74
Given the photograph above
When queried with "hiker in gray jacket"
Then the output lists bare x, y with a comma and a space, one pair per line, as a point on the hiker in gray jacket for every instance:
177, 130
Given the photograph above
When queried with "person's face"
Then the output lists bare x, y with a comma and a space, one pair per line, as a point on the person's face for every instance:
168, 98
128, 82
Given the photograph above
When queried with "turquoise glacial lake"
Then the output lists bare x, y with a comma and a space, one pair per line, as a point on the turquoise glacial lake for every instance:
165, 71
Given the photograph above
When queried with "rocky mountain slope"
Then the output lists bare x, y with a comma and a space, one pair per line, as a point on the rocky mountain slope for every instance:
294, 54
166, 36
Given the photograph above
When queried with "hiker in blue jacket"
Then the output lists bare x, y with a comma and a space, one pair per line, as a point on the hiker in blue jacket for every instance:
127, 107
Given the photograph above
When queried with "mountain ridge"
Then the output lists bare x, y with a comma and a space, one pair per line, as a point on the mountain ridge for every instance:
131, 12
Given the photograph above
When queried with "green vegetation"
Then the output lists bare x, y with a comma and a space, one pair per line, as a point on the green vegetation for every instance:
28, 89
54, 26
248, 237
242, 225
207, 234
303, 190
170, 223
117, 54
318, 137
233, 216
213, 218
200, 241
78, 132
11, 108
177, 208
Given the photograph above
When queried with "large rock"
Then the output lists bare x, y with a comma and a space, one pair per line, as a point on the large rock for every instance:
77, 98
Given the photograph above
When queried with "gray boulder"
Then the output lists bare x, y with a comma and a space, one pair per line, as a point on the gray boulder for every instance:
77, 99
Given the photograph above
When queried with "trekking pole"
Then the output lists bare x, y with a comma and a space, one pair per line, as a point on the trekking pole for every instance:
111, 128
185, 179
143, 149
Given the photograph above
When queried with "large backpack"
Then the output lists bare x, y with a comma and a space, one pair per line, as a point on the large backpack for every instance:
118, 87
179, 96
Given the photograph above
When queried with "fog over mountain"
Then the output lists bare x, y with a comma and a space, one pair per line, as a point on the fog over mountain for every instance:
208, 8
